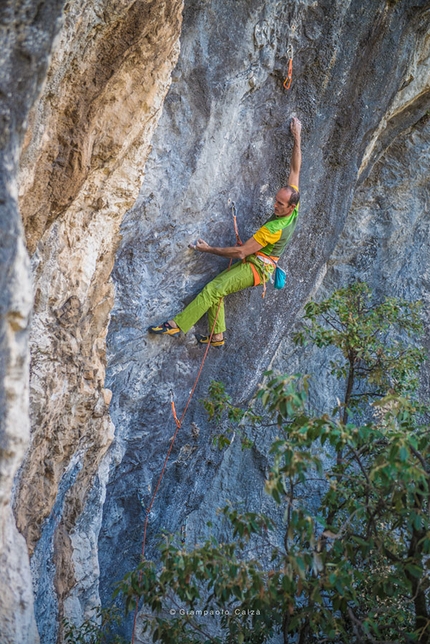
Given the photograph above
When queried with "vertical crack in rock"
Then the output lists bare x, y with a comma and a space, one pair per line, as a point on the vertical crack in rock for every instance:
52, 552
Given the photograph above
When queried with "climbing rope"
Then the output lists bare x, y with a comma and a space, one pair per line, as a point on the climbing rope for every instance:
289, 79
178, 423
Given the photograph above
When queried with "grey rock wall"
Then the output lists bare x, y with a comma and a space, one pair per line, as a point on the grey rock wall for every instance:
81, 149
360, 79
85, 145
81, 169
26, 34
384, 243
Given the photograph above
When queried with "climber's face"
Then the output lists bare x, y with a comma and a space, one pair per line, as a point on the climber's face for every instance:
282, 207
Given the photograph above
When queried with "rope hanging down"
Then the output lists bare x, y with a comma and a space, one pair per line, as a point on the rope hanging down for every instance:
178, 422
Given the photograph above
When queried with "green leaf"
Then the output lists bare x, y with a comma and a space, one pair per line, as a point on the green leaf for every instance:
414, 570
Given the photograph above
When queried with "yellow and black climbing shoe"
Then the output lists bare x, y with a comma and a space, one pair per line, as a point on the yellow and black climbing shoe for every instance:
164, 329
204, 339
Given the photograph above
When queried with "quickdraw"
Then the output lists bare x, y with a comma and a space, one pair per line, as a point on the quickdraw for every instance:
289, 79
236, 229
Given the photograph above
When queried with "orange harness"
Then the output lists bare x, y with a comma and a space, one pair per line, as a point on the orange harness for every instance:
257, 277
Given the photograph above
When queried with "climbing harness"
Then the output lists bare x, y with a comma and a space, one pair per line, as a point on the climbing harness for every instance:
280, 276
288, 80
178, 423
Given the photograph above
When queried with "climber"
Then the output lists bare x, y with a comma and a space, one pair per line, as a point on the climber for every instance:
258, 257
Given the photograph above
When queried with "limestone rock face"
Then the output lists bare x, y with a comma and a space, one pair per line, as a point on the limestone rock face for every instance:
360, 80
384, 243
129, 154
26, 34
82, 165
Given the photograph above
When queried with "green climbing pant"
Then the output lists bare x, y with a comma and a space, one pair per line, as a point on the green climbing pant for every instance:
237, 278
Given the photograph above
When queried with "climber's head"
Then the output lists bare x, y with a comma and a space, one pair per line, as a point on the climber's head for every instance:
286, 200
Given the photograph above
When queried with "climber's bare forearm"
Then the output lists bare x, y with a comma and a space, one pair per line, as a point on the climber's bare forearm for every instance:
296, 156
230, 252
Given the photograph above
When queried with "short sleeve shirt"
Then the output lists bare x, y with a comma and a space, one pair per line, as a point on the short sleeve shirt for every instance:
275, 234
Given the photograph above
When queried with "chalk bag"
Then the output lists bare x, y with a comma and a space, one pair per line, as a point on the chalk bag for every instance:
280, 278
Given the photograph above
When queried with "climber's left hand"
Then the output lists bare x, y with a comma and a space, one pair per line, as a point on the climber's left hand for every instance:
200, 245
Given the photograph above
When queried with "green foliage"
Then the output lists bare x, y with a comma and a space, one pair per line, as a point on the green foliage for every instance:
219, 408
360, 557
99, 629
206, 589
375, 354
350, 561
352, 568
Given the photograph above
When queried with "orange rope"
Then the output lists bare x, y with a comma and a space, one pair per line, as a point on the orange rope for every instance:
289, 79
178, 423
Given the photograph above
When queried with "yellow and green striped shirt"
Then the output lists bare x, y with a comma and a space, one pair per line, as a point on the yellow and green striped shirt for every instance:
275, 234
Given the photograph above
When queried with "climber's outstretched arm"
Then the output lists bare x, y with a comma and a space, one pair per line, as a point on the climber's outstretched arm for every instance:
232, 252
296, 157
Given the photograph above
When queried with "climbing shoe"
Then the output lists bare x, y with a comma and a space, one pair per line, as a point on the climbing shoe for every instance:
163, 329
204, 339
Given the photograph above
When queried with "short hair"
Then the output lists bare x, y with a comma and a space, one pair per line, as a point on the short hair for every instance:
294, 196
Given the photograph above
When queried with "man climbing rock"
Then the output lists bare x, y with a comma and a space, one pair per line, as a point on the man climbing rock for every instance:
258, 258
